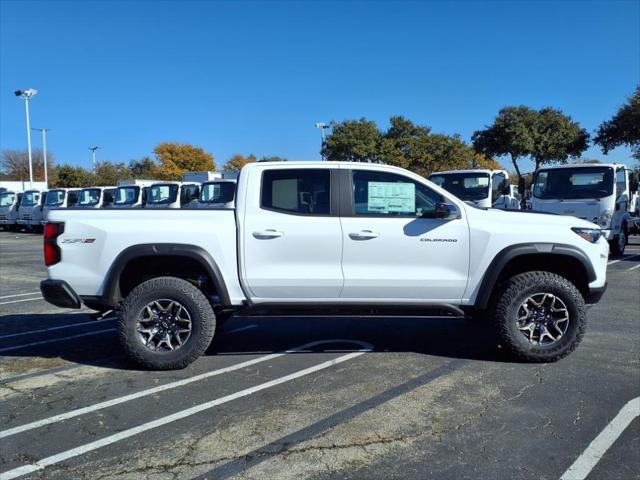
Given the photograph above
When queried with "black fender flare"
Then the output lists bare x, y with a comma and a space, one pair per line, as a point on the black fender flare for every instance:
503, 257
111, 291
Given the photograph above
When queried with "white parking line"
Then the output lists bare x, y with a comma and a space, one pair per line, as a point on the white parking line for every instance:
19, 295
74, 452
596, 449
633, 268
60, 327
168, 386
54, 340
19, 301
625, 257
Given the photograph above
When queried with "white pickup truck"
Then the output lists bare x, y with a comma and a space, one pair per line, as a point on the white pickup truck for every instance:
323, 237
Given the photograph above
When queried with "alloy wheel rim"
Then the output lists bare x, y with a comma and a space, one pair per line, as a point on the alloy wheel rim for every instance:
543, 319
164, 325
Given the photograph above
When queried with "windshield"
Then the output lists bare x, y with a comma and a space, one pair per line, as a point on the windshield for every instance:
465, 186
29, 199
7, 199
89, 197
55, 198
565, 183
218, 192
126, 195
161, 194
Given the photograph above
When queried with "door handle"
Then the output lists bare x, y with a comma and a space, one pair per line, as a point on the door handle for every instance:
267, 234
363, 235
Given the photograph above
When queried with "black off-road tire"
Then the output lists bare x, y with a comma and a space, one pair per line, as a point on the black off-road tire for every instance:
514, 292
192, 299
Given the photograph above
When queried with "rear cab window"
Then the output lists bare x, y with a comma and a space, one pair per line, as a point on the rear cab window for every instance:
297, 191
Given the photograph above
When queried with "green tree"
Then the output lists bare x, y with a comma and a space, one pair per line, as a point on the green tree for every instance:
623, 128
556, 137
72, 177
512, 134
145, 168
178, 158
237, 161
272, 158
352, 141
108, 174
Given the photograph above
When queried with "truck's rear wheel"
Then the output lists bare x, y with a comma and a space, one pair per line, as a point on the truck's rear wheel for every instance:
540, 316
619, 242
165, 323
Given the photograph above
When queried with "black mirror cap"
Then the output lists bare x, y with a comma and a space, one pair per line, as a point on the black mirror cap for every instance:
446, 211
506, 187
521, 186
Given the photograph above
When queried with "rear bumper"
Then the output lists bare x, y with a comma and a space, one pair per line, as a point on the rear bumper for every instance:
595, 294
59, 293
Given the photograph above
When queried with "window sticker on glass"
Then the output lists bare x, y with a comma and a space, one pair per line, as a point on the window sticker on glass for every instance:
388, 197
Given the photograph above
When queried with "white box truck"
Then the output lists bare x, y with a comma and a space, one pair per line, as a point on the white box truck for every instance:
480, 188
131, 193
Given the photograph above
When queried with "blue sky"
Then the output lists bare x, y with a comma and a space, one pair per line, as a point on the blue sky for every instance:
254, 77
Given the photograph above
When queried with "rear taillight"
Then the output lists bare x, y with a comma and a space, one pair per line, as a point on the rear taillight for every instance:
51, 250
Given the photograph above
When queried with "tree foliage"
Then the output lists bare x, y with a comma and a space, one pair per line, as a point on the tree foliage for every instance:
272, 158
353, 141
145, 168
178, 158
15, 165
403, 144
108, 173
237, 161
556, 137
623, 128
70, 176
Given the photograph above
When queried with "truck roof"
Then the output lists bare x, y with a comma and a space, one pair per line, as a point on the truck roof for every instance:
472, 170
582, 165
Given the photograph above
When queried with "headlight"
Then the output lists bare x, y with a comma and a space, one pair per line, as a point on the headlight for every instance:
605, 219
591, 235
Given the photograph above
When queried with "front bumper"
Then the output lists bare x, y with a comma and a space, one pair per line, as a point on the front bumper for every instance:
59, 293
595, 294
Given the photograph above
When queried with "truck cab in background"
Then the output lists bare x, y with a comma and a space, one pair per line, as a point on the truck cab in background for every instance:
599, 193
9, 204
219, 193
59, 198
131, 193
480, 188
30, 210
171, 194
96, 197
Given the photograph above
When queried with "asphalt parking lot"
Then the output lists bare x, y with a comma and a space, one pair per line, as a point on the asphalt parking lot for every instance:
285, 398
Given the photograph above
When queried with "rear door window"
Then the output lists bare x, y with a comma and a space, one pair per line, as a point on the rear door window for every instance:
297, 191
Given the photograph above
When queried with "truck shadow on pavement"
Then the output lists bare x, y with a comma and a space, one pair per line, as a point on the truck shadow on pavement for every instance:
96, 344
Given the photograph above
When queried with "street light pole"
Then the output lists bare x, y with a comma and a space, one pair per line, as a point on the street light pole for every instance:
27, 94
322, 127
44, 154
93, 157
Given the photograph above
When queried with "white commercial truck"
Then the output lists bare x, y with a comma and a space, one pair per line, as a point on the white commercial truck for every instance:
96, 197
200, 177
216, 194
30, 210
59, 198
131, 193
9, 204
597, 192
171, 194
480, 188
322, 237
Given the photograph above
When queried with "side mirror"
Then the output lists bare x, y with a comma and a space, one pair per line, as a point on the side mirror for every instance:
446, 211
633, 182
506, 187
521, 186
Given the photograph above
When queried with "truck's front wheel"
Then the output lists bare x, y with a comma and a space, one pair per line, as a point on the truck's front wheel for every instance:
619, 242
540, 316
165, 323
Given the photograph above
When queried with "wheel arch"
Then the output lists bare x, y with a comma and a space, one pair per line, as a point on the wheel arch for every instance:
565, 260
183, 255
